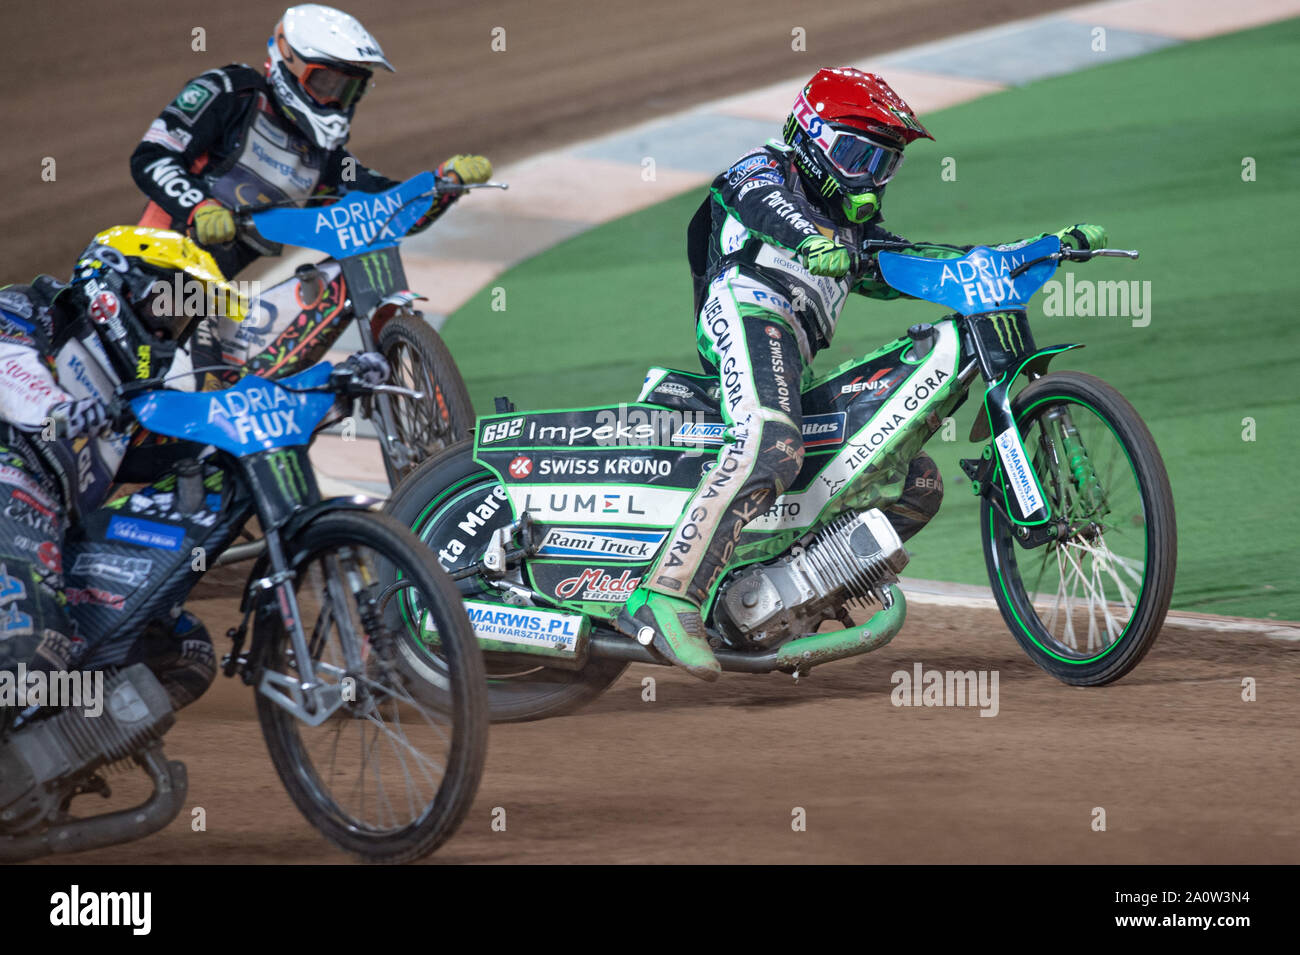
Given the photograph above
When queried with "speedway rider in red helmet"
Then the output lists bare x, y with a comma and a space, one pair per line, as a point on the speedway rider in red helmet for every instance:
769, 252
235, 137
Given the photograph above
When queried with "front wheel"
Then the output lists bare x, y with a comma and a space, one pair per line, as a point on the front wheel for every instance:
390, 773
420, 360
1087, 606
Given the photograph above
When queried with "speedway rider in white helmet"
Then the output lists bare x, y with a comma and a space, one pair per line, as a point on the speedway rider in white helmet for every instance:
234, 137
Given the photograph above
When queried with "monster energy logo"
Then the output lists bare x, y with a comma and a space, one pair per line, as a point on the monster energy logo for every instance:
1008, 330
286, 467
907, 120
379, 269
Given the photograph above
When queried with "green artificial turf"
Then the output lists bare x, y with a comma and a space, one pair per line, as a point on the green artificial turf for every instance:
1152, 148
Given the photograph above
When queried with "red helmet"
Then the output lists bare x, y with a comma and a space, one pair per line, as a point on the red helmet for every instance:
848, 130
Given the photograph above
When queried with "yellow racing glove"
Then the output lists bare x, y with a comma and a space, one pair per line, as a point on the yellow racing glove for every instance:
213, 223
468, 169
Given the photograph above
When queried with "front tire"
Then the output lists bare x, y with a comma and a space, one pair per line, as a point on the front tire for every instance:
420, 360
347, 567
1087, 607
429, 502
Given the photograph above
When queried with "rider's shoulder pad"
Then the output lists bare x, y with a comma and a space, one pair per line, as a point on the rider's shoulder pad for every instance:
236, 77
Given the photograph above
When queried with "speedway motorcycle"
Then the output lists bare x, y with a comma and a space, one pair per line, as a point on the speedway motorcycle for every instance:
292, 324
549, 520
371, 760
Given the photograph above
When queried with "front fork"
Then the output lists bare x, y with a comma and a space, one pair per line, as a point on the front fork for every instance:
1005, 476
1074, 457
394, 450
306, 696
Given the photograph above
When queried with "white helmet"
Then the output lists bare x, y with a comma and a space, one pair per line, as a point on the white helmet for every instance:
319, 63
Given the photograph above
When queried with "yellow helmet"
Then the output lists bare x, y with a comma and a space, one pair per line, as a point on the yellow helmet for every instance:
169, 253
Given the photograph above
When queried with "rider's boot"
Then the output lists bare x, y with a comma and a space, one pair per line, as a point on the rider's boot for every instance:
182, 657
920, 500
673, 627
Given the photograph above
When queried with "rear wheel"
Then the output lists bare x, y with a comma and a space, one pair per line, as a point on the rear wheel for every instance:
420, 361
432, 501
1087, 606
390, 773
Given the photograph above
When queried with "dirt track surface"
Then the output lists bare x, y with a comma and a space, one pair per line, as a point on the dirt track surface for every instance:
82, 83
1186, 771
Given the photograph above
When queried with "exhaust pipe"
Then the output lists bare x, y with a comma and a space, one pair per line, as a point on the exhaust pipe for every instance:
171, 784
42, 762
794, 656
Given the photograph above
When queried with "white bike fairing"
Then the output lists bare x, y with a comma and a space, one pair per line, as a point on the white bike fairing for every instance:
659, 507
934, 376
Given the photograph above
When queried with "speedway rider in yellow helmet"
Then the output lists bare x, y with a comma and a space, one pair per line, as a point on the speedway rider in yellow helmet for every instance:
235, 137
63, 349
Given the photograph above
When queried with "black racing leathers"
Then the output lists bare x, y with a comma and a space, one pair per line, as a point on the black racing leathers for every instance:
225, 138
51, 356
757, 213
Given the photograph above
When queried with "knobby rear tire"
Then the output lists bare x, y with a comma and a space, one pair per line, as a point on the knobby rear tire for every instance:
553, 692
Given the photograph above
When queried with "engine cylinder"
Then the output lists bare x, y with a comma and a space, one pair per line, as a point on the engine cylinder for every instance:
846, 560
35, 759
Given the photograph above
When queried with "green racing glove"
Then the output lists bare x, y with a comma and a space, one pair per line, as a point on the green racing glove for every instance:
821, 256
1083, 236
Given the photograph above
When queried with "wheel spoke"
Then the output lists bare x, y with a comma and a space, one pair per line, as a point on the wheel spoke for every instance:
385, 775
1086, 477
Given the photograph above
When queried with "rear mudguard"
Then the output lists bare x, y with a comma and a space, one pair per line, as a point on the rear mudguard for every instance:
1008, 451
